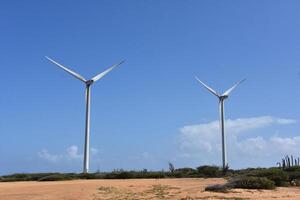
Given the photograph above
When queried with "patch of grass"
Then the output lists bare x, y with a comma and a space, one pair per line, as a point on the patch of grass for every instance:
160, 191
107, 189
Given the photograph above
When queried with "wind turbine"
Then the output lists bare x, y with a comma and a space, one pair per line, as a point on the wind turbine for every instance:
221, 98
88, 84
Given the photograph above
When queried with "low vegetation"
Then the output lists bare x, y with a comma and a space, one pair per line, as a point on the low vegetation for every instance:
253, 183
209, 171
57, 177
286, 174
27, 177
218, 188
244, 183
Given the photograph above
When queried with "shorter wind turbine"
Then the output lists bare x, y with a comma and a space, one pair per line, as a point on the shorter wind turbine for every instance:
88, 84
221, 98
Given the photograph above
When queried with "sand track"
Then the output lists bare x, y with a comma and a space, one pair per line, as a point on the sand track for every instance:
133, 189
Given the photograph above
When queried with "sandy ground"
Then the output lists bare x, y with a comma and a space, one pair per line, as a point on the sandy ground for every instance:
185, 189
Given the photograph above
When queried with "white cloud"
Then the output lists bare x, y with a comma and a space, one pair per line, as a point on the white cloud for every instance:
286, 121
202, 142
94, 151
234, 126
47, 156
72, 153
269, 147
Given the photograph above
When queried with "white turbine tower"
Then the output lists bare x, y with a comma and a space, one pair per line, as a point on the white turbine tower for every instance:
222, 115
88, 84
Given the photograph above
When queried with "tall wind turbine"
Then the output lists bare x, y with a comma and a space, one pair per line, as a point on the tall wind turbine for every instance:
88, 84
221, 98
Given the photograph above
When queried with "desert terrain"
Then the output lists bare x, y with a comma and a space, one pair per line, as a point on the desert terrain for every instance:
134, 189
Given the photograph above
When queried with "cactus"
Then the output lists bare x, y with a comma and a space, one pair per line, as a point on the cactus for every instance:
283, 164
289, 161
279, 164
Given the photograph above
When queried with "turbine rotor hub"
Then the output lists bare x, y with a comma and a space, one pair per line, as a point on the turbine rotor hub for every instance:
223, 97
89, 82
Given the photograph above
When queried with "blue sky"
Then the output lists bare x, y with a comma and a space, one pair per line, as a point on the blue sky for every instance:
150, 110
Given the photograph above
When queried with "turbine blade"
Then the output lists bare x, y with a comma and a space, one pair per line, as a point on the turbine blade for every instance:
99, 76
208, 88
67, 70
232, 88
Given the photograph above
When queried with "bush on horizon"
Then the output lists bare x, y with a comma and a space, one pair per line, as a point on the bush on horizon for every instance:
24, 177
57, 177
209, 171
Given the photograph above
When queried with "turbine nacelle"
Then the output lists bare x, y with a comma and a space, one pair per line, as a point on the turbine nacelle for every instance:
223, 97
89, 82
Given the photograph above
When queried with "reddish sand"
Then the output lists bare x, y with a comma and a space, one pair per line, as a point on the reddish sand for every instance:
134, 189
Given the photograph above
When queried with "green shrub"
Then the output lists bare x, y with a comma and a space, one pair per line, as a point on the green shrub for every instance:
56, 177
124, 175
89, 175
110, 176
37, 176
209, 171
16, 177
24, 177
247, 171
294, 175
186, 172
178, 174
119, 175
155, 175
280, 178
252, 183
292, 169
